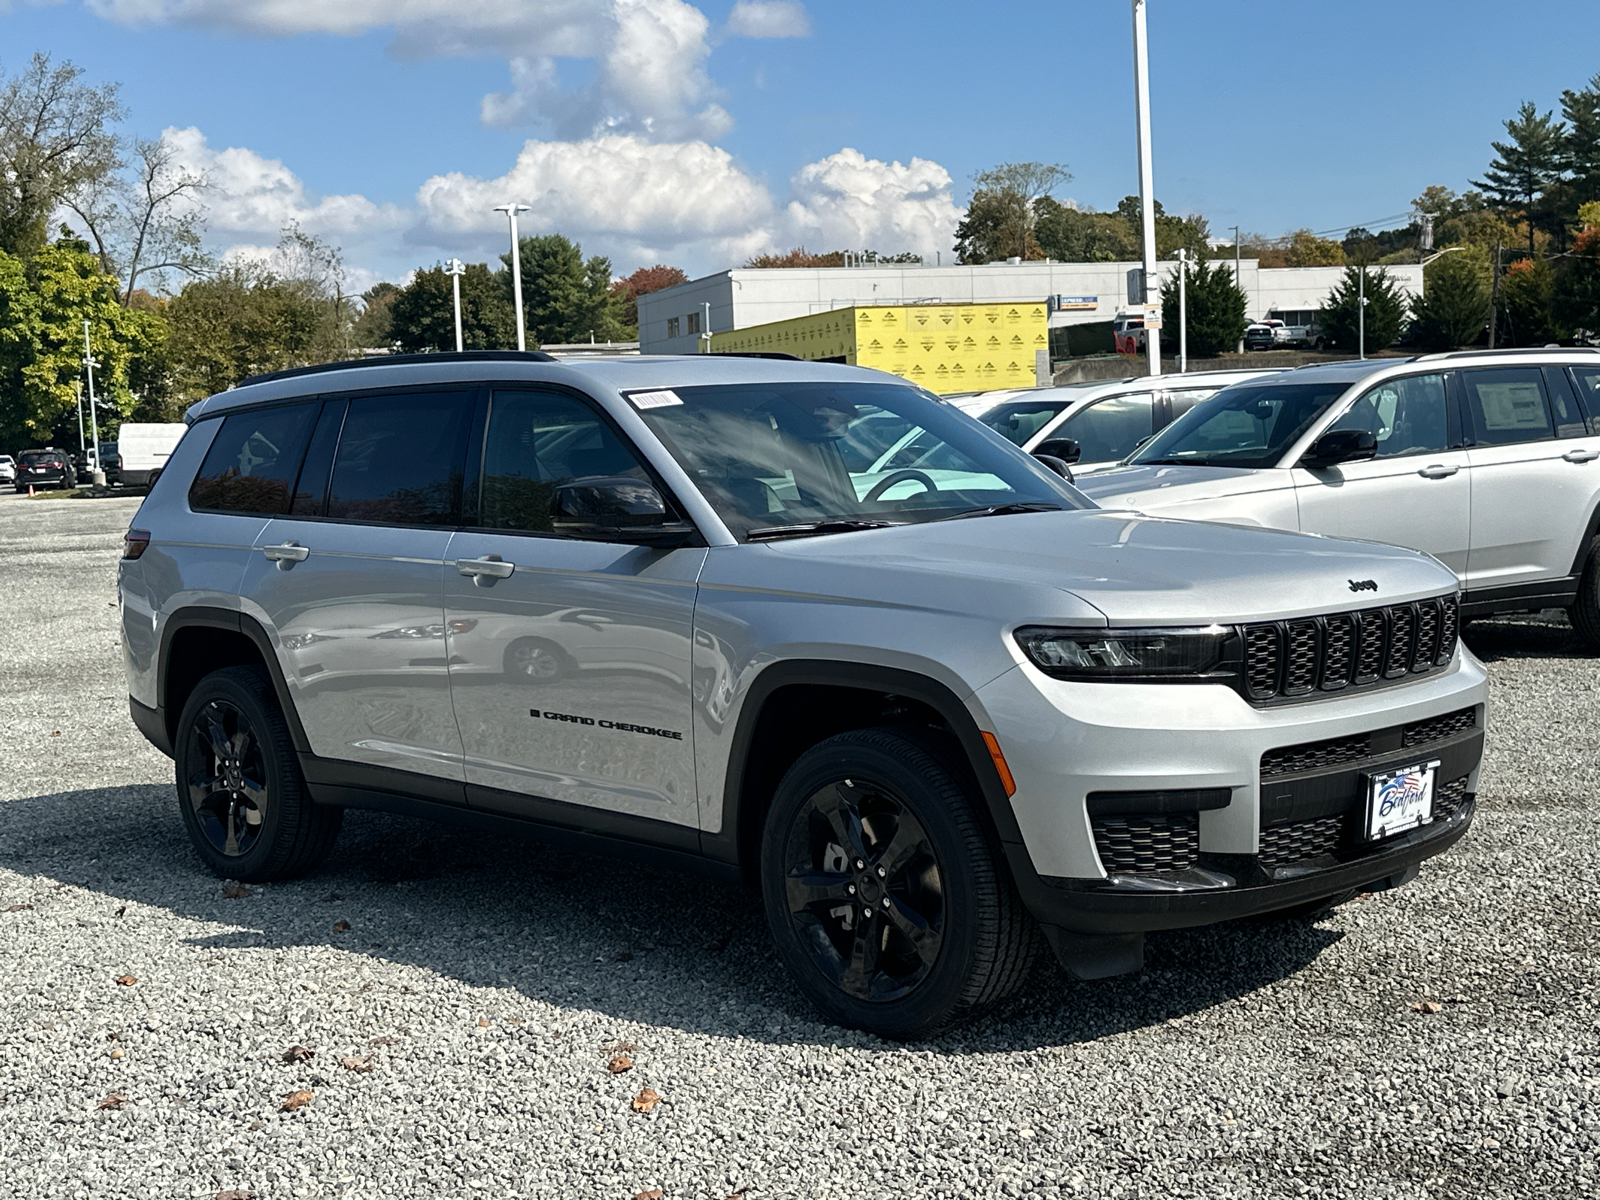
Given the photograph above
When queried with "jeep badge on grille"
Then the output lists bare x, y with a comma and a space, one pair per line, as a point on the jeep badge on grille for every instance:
1363, 585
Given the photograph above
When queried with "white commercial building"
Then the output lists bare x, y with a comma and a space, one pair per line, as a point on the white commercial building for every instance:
671, 321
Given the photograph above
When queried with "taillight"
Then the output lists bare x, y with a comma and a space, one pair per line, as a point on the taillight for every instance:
135, 542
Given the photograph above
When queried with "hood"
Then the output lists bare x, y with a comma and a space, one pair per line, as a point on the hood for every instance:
1132, 568
1160, 488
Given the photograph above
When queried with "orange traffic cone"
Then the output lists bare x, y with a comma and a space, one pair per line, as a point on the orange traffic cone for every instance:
30, 491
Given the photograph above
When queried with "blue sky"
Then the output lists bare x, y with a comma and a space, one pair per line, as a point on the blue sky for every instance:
653, 130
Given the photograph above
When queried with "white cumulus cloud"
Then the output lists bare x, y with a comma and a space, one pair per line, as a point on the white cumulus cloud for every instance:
848, 200
768, 19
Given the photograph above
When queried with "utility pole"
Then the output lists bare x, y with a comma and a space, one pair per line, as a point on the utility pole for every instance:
1183, 310
1494, 294
77, 388
1361, 315
511, 211
1147, 199
454, 269
98, 477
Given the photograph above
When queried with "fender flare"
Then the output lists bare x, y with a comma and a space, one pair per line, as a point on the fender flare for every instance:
231, 620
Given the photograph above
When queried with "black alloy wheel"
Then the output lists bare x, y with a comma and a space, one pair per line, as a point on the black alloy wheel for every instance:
1585, 610
863, 883
240, 791
890, 904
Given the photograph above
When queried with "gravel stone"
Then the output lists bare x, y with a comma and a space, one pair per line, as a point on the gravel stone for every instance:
491, 982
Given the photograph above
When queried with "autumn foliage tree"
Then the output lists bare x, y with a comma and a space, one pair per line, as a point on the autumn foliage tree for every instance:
641, 283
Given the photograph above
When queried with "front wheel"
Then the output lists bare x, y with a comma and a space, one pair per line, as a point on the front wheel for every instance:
1585, 610
240, 790
889, 905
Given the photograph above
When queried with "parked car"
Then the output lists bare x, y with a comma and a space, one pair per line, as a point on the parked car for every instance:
1488, 460
111, 462
926, 711
1262, 335
1296, 329
45, 468
142, 450
8, 469
1107, 421
974, 404
1128, 333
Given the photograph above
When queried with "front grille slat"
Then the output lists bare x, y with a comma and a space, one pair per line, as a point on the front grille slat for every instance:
1436, 729
1289, 659
1145, 843
1314, 756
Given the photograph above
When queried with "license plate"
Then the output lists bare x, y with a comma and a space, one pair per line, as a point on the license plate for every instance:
1400, 800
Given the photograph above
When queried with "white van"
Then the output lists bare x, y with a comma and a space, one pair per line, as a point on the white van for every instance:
144, 448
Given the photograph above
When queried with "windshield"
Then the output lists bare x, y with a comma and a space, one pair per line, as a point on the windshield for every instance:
1021, 419
1247, 425
774, 455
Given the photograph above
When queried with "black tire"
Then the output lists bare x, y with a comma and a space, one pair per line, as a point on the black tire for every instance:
240, 790
897, 799
1585, 610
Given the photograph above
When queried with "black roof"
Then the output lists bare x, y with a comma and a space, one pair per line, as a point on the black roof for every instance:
392, 360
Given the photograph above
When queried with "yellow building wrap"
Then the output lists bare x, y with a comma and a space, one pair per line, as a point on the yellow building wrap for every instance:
944, 347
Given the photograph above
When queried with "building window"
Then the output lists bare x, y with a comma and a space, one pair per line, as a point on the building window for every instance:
672, 327
694, 322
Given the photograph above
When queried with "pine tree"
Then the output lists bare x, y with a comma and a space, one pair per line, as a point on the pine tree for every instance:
1216, 310
1527, 167
1455, 302
1581, 146
1386, 310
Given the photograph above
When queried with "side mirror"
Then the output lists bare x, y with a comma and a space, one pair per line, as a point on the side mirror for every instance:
1055, 464
1341, 446
1067, 450
616, 509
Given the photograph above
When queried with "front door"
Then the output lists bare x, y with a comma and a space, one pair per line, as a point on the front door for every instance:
351, 580
570, 660
1415, 493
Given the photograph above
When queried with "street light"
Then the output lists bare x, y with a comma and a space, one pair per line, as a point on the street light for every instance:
1183, 310
511, 211
98, 476
1147, 202
454, 269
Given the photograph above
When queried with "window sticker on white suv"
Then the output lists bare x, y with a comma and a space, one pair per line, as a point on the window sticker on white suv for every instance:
1512, 406
658, 399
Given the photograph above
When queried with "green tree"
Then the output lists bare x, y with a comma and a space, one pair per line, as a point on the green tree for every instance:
1527, 304
372, 328
1386, 310
55, 141
1577, 292
43, 305
1581, 146
1216, 309
1001, 218
1172, 233
1454, 305
565, 298
422, 314
1527, 167
1083, 235
1306, 249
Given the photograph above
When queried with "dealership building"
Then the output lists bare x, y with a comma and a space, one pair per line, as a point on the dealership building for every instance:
672, 321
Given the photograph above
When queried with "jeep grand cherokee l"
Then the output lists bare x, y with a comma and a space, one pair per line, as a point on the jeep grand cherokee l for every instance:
669, 607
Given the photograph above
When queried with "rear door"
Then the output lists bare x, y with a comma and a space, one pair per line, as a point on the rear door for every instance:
351, 580
570, 660
1110, 429
1534, 476
1415, 493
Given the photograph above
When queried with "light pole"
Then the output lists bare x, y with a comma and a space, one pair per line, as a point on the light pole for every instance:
98, 476
511, 211
1147, 200
77, 388
1183, 310
454, 269
1361, 315
705, 329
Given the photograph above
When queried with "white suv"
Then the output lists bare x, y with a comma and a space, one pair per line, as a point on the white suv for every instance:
1485, 459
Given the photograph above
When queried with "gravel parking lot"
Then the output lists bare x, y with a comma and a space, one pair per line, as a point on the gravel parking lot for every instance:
463, 997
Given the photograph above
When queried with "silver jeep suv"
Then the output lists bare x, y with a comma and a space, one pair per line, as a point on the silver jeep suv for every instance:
681, 608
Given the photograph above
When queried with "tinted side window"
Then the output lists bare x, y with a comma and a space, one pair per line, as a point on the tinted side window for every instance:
1111, 428
1564, 404
536, 440
1507, 405
312, 488
1588, 381
400, 459
1407, 416
252, 462
1187, 398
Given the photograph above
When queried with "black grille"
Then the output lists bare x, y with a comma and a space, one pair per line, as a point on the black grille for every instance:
1438, 728
1301, 840
1353, 649
1313, 756
1157, 842
1449, 797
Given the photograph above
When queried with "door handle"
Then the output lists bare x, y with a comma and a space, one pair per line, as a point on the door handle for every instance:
286, 555
1438, 471
1581, 456
484, 571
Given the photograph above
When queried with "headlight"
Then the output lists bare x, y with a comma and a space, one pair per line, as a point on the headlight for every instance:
1209, 653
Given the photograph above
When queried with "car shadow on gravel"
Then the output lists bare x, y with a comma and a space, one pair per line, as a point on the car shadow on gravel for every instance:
1547, 634
637, 944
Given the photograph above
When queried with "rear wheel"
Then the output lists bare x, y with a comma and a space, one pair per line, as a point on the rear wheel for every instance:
240, 790
889, 905
1585, 610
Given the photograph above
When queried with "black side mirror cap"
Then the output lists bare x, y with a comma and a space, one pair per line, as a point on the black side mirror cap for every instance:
1341, 446
1059, 466
1067, 450
616, 509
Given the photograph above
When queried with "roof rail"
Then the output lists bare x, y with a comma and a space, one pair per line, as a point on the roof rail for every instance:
1509, 350
755, 354
396, 360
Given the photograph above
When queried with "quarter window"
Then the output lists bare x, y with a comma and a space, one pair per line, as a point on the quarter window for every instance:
1111, 428
253, 460
1406, 415
537, 440
1507, 405
400, 459
1563, 404
1588, 380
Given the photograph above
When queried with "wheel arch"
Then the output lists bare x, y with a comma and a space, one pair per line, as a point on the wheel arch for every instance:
198, 640
793, 705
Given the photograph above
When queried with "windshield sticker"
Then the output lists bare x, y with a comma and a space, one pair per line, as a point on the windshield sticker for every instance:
657, 399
